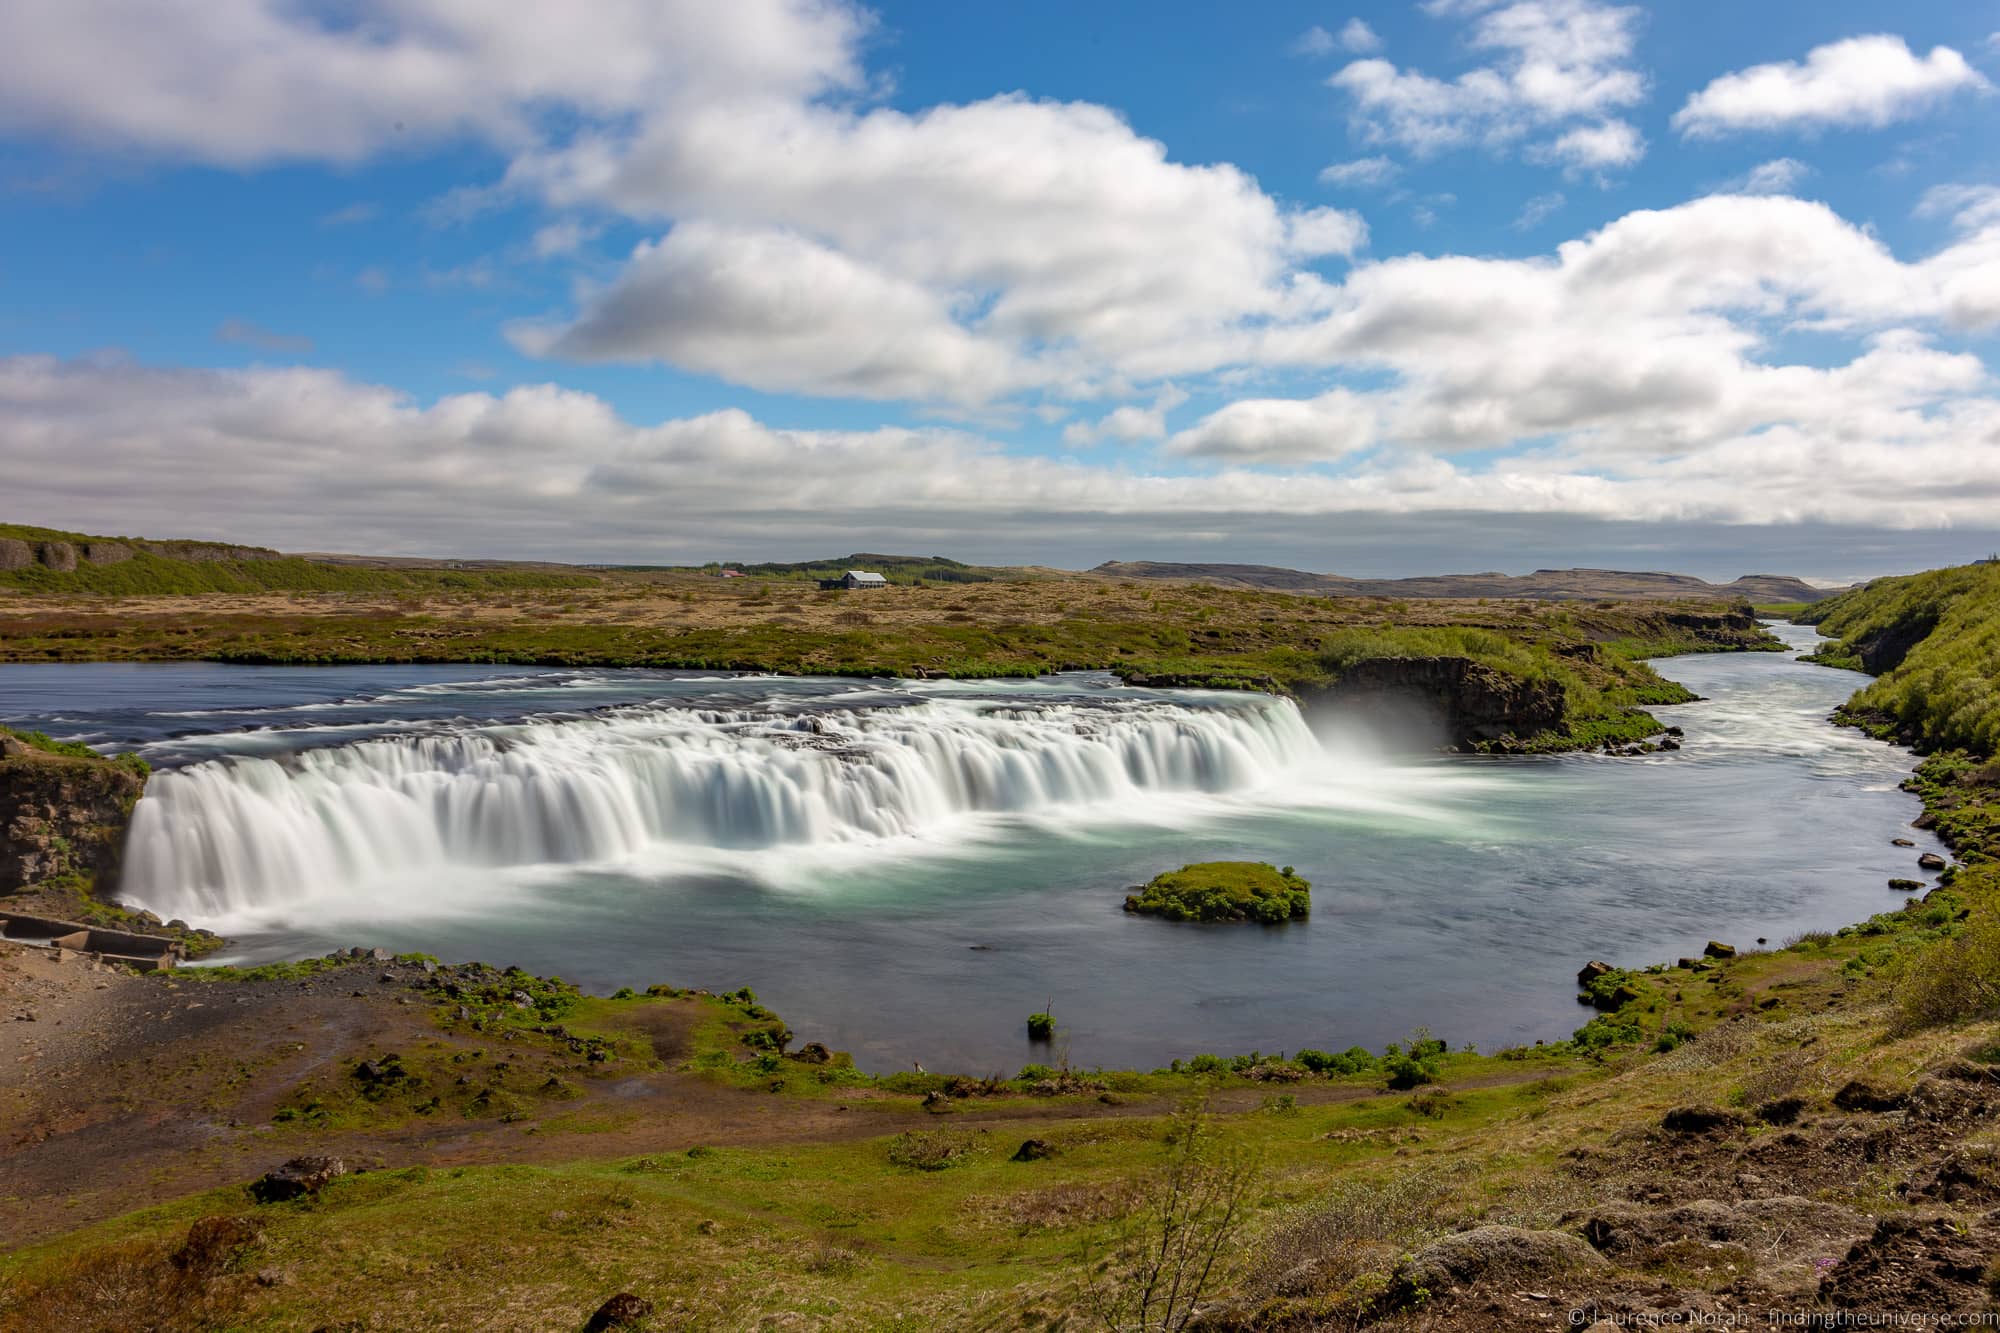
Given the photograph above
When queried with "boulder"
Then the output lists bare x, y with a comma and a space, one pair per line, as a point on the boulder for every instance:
299, 1177
812, 1053
1906, 885
1901, 842
1033, 1150
15, 554
1490, 1254
1717, 949
1931, 861
622, 1311
1592, 970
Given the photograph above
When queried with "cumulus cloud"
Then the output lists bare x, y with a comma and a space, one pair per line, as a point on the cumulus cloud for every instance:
1868, 82
251, 82
1050, 233
1613, 143
1644, 335
1128, 424
1283, 430
778, 311
1556, 63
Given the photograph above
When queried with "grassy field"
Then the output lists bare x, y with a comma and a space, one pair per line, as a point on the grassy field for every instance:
1160, 633
945, 1222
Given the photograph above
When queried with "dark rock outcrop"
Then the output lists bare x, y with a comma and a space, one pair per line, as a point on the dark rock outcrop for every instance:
61, 815
1473, 703
300, 1176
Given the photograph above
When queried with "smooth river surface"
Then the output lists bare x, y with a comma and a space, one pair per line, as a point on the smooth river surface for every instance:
907, 869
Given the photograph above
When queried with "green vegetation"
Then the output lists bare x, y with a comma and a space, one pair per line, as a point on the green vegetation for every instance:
1934, 641
150, 568
42, 741
1224, 891
1041, 1026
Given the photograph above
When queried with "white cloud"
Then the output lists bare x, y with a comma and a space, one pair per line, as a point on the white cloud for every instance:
1612, 143
1868, 81
250, 82
1128, 424
1360, 173
1283, 430
1557, 62
1968, 206
1895, 439
1357, 38
1050, 232
778, 311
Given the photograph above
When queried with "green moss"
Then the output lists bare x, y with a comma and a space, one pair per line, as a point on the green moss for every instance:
1224, 891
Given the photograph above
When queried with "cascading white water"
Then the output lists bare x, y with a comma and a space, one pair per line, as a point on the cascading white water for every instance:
247, 833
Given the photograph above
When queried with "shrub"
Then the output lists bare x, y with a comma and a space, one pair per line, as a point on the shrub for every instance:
1041, 1026
1353, 1060
1406, 1069
1180, 1242
1953, 980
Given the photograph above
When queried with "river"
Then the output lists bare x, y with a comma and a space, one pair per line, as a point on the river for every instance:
907, 869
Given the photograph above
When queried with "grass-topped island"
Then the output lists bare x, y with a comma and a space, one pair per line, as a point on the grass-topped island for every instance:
1224, 891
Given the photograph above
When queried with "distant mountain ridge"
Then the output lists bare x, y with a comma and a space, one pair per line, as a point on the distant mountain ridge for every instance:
1548, 584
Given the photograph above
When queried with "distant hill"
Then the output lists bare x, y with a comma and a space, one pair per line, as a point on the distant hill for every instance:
895, 568
1551, 584
50, 560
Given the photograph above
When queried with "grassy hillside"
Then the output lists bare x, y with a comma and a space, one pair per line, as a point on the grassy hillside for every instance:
1934, 641
127, 567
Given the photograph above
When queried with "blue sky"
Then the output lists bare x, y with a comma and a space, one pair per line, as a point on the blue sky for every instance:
1372, 289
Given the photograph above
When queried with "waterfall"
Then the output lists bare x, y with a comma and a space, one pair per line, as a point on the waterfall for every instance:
247, 832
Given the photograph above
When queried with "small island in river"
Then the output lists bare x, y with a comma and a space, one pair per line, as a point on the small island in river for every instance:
1224, 891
